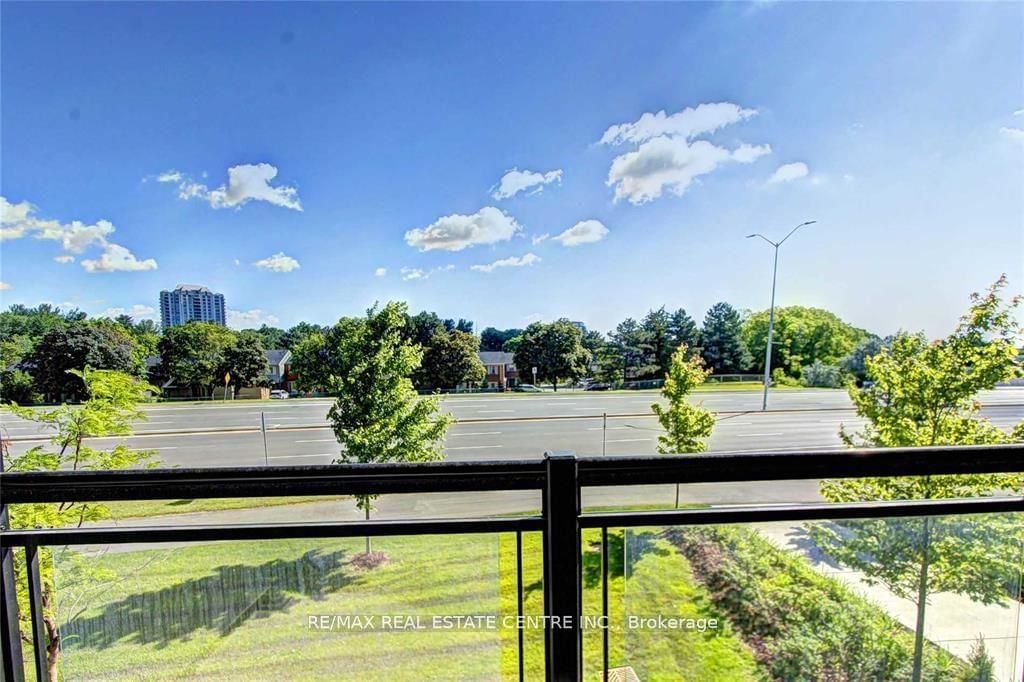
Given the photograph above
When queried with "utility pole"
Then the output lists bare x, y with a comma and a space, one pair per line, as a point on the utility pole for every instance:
771, 310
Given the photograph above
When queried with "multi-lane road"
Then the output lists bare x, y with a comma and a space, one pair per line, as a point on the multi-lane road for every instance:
498, 426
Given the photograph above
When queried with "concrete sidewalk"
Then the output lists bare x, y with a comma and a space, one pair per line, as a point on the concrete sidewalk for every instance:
952, 621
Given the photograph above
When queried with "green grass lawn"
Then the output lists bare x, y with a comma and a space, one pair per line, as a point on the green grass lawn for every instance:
146, 508
241, 611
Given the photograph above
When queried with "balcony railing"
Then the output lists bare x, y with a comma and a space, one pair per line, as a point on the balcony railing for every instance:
558, 477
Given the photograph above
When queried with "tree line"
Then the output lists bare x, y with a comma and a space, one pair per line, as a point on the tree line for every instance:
811, 346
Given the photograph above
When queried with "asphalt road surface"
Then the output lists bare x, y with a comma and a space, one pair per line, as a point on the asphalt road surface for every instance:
500, 427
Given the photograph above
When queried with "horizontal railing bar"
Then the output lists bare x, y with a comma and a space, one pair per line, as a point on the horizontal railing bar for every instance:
355, 479
804, 464
270, 481
51, 537
802, 512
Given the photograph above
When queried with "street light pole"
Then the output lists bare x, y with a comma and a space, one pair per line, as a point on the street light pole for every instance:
771, 310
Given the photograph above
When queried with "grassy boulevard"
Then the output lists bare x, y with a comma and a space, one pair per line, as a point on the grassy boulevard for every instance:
242, 611
246, 610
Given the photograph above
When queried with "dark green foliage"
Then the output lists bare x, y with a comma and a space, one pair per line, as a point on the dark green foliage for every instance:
722, 341
555, 349
244, 359
801, 624
76, 346
492, 339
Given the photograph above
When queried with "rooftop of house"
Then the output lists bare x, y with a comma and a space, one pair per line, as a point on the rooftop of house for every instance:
496, 357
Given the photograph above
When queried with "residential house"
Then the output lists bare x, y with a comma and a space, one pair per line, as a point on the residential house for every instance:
501, 369
278, 364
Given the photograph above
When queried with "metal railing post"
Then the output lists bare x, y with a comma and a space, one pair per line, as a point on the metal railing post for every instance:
563, 588
12, 665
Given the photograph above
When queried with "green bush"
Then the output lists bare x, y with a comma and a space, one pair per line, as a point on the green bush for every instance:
820, 375
780, 378
17, 386
801, 624
980, 666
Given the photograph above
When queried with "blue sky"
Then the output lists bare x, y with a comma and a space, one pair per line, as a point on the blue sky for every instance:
369, 142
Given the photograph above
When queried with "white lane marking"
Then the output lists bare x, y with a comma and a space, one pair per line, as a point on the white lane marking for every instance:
729, 422
561, 400
318, 440
584, 409
476, 447
493, 411
171, 447
478, 433
610, 428
325, 454
149, 423
757, 435
629, 440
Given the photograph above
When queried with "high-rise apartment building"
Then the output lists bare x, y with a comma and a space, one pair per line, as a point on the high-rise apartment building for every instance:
190, 302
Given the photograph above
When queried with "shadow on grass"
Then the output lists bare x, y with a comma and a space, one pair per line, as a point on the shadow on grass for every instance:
220, 602
620, 547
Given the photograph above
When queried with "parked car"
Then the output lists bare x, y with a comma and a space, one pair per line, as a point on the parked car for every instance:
598, 386
278, 394
527, 388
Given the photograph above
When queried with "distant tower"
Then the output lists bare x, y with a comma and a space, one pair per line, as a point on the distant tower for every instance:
190, 302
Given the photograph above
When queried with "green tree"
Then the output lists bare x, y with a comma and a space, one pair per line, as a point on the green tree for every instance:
192, 355
723, 348
555, 349
294, 336
109, 410
687, 426
801, 337
492, 339
924, 394
309, 362
623, 357
657, 336
377, 415
245, 360
450, 359
854, 365
75, 346
683, 331
270, 338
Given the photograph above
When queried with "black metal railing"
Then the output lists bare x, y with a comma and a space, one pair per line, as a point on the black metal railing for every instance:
558, 477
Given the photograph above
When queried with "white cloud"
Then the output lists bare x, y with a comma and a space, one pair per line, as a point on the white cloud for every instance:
19, 220
246, 182
538, 238
4, 286
418, 273
1015, 134
116, 258
510, 262
380, 272
583, 232
672, 164
515, 181
789, 172
138, 311
1019, 112
456, 232
279, 262
688, 123
246, 319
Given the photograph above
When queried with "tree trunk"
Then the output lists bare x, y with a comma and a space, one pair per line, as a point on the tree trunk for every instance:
922, 599
52, 646
366, 510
